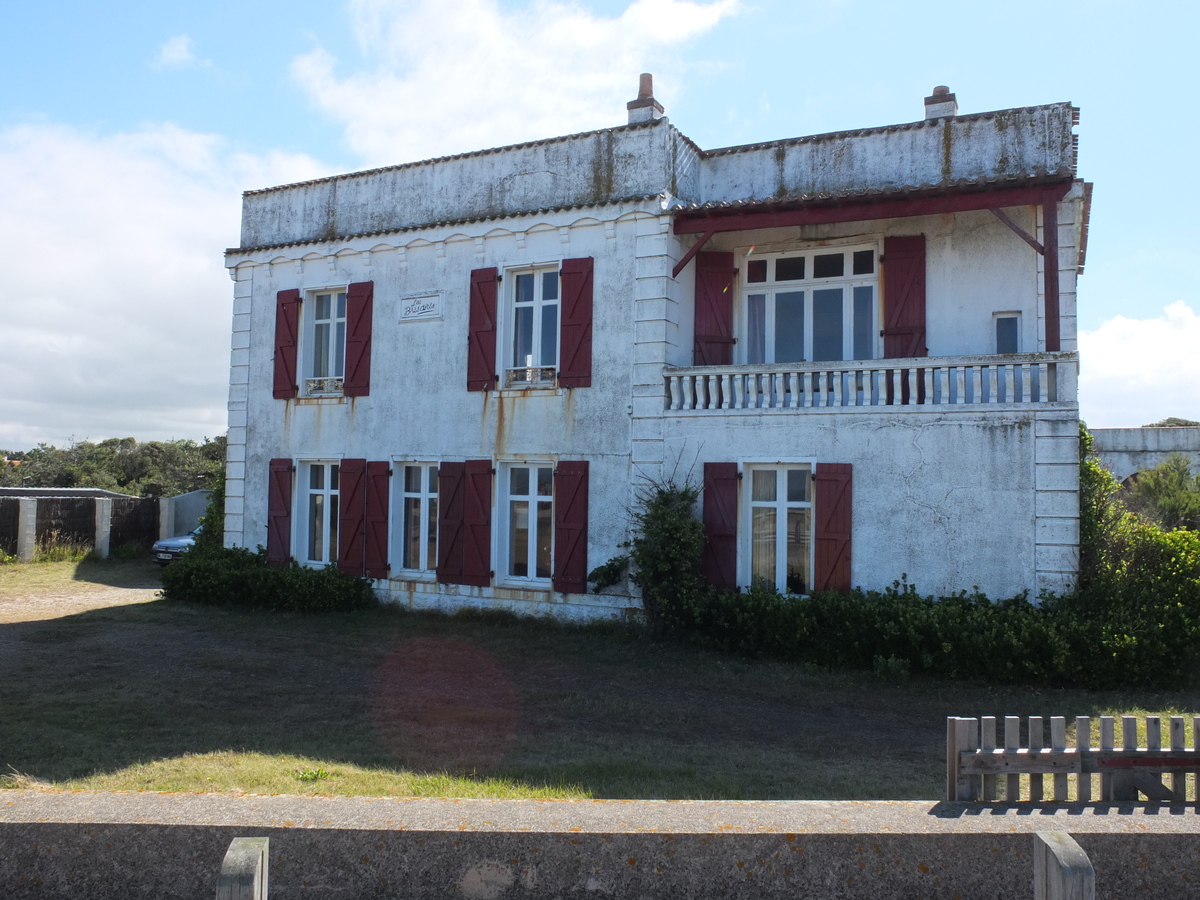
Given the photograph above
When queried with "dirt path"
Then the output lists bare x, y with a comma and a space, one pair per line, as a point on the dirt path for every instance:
67, 589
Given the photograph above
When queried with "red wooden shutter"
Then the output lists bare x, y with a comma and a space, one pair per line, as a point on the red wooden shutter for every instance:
481, 334
450, 522
352, 515
904, 297
477, 523
378, 492
575, 344
832, 499
287, 327
279, 513
360, 302
714, 310
719, 564
571, 527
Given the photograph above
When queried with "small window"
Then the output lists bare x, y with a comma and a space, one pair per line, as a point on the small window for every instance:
419, 516
778, 526
320, 520
529, 531
1008, 329
533, 346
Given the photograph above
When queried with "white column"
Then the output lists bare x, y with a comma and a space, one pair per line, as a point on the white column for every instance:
27, 529
103, 526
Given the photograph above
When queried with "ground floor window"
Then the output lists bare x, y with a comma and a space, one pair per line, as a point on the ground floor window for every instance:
778, 527
319, 524
418, 516
528, 535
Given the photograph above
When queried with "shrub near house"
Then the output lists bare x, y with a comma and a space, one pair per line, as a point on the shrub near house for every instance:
1133, 622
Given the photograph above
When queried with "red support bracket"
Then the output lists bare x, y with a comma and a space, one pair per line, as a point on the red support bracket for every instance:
1020, 232
687, 257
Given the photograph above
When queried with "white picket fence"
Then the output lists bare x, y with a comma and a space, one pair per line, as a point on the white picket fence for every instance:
978, 769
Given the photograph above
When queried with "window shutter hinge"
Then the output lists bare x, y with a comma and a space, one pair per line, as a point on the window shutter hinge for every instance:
491, 573
499, 278
740, 475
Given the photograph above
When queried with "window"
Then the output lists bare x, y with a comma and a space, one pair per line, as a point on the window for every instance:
319, 519
809, 305
528, 507
419, 516
532, 356
778, 527
325, 350
1008, 330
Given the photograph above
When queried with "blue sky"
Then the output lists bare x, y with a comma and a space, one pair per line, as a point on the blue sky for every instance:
128, 131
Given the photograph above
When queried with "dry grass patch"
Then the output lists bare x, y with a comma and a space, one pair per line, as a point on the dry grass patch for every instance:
169, 696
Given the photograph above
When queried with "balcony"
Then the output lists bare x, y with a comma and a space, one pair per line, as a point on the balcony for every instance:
1013, 381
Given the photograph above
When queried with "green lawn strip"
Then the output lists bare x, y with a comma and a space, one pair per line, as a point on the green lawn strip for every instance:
171, 696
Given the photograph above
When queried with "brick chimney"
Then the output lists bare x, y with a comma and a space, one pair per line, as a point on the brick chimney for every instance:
645, 108
941, 104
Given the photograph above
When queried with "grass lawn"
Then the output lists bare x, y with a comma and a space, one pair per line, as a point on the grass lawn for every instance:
168, 696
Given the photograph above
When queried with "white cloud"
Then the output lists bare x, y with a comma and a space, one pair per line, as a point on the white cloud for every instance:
469, 75
177, 53
1138, 371
116, 304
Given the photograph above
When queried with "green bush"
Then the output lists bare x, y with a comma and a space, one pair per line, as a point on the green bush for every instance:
239, 577
665, 552
1134, 620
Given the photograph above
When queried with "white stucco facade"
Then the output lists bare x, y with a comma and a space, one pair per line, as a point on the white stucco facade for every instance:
958, 481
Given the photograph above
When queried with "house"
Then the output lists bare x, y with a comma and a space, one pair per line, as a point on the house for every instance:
453, 375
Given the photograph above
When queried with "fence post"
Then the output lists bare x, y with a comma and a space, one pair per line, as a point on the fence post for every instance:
27, 529
165, 525
1061, 870
244, 870
103, 526
961, 734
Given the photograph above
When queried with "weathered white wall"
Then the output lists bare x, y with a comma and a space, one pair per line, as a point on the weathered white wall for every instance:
1127, 450
419, 408
653, 158
999, 146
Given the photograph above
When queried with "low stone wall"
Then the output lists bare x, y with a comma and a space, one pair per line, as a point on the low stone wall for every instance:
102, 846
1128, 450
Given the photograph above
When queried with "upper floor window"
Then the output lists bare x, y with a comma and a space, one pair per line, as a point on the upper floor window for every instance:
533, 326
810, 305
326, 346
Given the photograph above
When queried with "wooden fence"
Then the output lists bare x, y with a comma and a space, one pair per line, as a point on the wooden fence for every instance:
978, 769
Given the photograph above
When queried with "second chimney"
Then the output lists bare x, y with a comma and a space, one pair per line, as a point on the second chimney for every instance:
941, 104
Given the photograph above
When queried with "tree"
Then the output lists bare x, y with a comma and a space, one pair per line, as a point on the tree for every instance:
1168, 494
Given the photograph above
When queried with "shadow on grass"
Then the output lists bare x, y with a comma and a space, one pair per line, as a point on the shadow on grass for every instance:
137, 573
534, 704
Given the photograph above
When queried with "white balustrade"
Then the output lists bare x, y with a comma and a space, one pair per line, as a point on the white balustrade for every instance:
1024, 380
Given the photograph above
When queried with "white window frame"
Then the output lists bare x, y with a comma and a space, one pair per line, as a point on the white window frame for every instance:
781, 504
329, 384
996, 317
329, 494
426, 498
533, 371
847, 282
504, 534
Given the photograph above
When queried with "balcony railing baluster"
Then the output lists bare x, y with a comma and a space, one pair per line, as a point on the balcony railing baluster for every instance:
1020, 380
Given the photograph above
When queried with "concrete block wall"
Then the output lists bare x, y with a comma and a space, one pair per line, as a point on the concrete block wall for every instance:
170, 846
